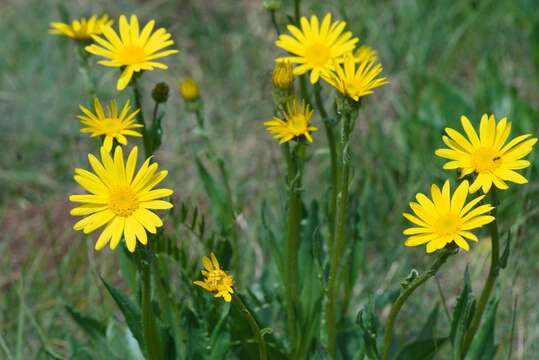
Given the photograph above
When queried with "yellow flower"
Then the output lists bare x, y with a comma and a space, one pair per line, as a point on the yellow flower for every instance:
445, 218
132, 50
110, 123
283, 75
295, 124
355, 79
315, 47
81, 29
189, 89
488, 155
120, 199
365, 54
216, 280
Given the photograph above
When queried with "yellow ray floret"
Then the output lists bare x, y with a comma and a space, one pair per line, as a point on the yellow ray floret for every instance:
81, 29
216, 280
365, 54
355, 78
443, 218
314, 47
131, 49
488, 156
110, 123
120, 199
296, 123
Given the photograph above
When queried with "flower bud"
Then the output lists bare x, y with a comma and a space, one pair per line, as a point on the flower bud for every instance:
189, 90
283, 76
272, 5
160, 92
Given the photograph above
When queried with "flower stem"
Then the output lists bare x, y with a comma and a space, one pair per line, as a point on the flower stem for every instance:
405, 294
140, 117
297, 10
491, 278
339, 231
84, 69
294, 161
263, 353
274, 22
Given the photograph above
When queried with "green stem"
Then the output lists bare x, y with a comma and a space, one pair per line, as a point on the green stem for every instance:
339, 232
274, 22
294, 161
297, 11
151, 339
140, 117
262, 350
491, 278
405, 294
84, 69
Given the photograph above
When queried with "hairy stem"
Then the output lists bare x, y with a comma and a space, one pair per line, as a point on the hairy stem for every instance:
491, 278
405, 294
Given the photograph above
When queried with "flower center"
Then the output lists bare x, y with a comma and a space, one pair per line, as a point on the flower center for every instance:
111, 126
123, 201
297, 123
218, 279
485, 159
448, 224
317, 54
131, 54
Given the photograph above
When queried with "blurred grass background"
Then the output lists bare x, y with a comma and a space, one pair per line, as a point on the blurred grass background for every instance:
443, 59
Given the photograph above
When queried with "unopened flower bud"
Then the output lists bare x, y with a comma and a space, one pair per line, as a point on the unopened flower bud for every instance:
272, 5
189, 90
160, 92
283, 76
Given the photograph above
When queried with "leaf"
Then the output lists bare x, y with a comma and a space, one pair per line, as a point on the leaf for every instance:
130, 311
483, 347
506, 251
368, 322
121, 343
421, 349
462, 315
427, 332
92, 327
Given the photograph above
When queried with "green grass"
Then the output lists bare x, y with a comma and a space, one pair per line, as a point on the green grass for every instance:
443, 59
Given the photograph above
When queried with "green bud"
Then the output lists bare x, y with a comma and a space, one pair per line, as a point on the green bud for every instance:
160, 92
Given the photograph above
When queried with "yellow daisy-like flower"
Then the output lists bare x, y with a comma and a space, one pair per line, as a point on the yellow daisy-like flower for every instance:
120, 199
132, 50
365, 54
295, 124
355, 79
81, 29
216, 280
110, 124
445, 218
316, 46
488, 155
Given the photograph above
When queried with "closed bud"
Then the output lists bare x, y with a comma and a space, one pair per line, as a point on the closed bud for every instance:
283, 76
272, 5
160, 92
189, 90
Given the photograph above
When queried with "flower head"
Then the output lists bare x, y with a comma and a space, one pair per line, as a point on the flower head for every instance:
296, 123
355, 79
81, 29
282, 76
189, 89
488, 156
215, 279
120, 199
131, 49
315, 47
365, 54
110, 123
445, 218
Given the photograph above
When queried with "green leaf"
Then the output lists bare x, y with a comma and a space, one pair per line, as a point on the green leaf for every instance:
121, 343
462, 315
130, 311
421, 349
506, 251
92, 327
427, 332
215, 193
483, 347
368, 322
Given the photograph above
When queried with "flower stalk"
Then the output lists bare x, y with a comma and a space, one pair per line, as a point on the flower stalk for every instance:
407, 290
493, 273
262, 350
140, 117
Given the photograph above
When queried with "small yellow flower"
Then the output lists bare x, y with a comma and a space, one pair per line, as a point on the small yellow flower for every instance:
283, 75
216, 280
445, 218
365, 54
110, 124
81, 29
315, 47
355, 79
120, 199
189, 89
488, 155
131, 49
295, 124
